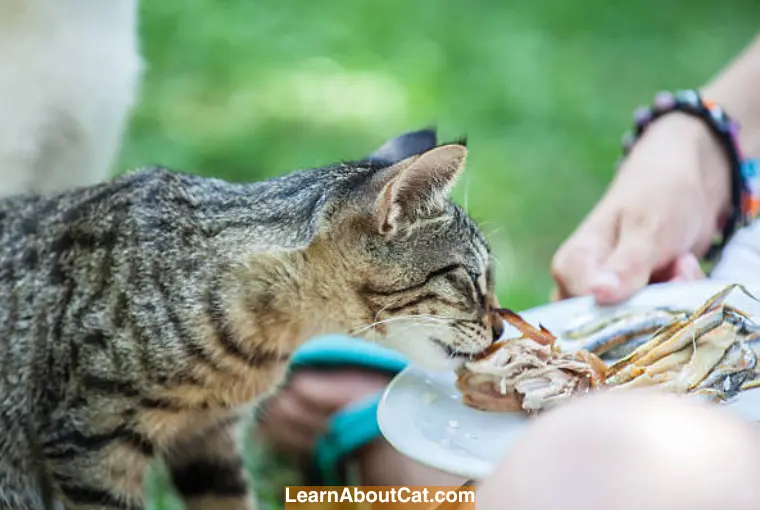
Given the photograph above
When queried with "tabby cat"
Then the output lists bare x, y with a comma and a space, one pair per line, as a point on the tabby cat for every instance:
140, 317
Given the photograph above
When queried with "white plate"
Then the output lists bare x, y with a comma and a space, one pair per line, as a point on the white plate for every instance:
422, 416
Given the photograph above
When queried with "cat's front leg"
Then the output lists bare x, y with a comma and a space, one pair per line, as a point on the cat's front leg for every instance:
208, 472
104, 479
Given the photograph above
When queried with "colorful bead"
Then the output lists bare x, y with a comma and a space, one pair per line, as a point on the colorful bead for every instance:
664, 101
642, 116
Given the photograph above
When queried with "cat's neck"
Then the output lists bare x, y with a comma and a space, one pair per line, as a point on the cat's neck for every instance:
283, 299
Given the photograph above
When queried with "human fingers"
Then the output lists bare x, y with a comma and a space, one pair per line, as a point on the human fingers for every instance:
331, 390
289, 408
578, 259
687, 269
631, 263
684, 268
290, 425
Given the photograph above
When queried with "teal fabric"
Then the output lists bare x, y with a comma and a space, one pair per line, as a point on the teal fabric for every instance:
356, 424
350, 429
339, 350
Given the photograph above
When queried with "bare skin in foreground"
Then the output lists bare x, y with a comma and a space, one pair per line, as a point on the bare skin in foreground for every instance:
630, 451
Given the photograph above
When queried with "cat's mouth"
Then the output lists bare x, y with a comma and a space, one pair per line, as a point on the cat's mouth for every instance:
497, 329
452, 352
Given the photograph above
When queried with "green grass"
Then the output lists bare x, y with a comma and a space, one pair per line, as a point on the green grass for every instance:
543, 89
270, 473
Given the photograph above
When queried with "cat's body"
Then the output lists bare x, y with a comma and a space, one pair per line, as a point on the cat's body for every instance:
139, 317
69, 74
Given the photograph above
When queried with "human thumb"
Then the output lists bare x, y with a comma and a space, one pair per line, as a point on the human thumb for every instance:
687, 269
626, 271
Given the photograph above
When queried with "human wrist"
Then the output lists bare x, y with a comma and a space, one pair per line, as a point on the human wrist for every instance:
718, 129
714, 169
745, 112
710, 178
735, 89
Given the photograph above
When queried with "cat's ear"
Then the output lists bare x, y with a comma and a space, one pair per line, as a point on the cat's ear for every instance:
418, 184
405, 146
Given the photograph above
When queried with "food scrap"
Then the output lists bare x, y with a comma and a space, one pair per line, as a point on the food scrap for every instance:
711, 352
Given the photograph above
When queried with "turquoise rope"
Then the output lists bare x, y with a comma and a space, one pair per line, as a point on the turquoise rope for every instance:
349, 430
339, 350
356, 424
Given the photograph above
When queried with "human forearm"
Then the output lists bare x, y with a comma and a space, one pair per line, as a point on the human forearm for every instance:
669, 197
737, 89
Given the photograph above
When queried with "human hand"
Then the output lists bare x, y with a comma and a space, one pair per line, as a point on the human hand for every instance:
659, 214
298, 414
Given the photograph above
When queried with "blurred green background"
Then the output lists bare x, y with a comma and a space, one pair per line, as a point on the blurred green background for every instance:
544, 89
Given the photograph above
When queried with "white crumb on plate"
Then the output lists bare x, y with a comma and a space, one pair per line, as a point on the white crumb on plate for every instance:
429, 397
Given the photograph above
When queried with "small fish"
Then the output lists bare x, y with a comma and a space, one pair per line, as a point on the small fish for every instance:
589, 324
746, 325
719, 298
631, 327
671, 339
710, 350
716, 299
709, 395
734, 370
694, 328
753, 341
657, 338
623, 350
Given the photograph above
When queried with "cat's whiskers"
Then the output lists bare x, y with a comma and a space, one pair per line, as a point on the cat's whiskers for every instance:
377, 318
467, 195
377, 315
415, 324
492, 233
496, 260
427, 318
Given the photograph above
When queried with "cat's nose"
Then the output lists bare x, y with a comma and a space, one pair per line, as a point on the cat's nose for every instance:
497, 326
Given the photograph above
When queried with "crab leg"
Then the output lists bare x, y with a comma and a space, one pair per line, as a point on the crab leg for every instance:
541, 336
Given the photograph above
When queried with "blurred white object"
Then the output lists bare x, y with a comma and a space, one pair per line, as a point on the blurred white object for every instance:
69, 76
741, 256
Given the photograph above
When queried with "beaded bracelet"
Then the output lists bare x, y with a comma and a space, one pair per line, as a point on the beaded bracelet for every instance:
745, 191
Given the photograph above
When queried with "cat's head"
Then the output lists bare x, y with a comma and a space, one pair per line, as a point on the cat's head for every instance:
415, 268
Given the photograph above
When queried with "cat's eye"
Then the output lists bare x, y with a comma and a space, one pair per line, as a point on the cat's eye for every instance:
477, 283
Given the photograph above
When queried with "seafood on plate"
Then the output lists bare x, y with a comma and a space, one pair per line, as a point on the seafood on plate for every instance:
617, 335
530, 373
711, 352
